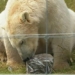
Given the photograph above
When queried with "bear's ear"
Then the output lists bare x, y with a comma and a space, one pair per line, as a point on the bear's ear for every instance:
24, 17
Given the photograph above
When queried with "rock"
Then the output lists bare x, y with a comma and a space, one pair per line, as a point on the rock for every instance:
40, 64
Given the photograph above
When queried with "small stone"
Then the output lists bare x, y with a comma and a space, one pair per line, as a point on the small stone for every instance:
10, 69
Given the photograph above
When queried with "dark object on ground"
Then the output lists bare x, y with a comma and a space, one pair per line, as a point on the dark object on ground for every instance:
40, 64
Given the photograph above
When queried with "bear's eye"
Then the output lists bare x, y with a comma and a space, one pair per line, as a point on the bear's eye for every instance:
21, 43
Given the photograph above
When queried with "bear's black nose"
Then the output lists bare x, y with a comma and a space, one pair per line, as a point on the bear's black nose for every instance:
27, 59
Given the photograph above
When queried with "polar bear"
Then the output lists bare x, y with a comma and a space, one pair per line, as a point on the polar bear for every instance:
30, 17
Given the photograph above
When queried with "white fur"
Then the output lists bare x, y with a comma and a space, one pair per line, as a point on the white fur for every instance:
60, 19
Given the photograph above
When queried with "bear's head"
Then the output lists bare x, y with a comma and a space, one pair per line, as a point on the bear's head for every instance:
22, 33
22, 27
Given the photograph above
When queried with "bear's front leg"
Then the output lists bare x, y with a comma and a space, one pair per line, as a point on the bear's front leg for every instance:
61, 57
13, 58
